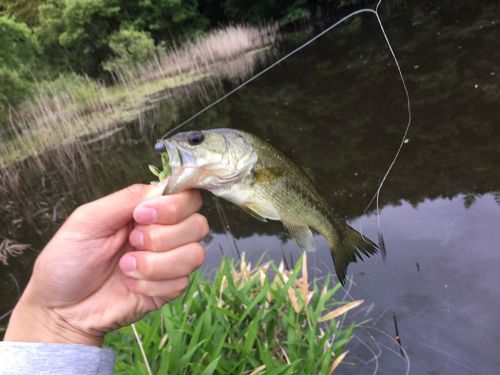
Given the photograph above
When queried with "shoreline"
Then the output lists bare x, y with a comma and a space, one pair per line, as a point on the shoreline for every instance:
56, 119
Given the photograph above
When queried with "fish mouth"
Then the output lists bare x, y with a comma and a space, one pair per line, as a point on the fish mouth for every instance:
182, 167
174, 156
174, 162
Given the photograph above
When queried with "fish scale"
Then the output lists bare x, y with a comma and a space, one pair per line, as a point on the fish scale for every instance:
299, 195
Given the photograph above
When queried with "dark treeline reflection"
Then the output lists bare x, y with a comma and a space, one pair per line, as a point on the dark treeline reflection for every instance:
337, 107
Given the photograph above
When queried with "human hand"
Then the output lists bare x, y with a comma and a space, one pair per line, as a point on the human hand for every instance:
102, 270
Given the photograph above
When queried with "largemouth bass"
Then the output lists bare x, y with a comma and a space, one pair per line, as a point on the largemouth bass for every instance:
253, 174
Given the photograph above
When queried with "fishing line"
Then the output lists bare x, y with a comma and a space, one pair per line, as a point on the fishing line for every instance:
376, 196
403, 356
375, 355
225, 224
265, 70
348, 297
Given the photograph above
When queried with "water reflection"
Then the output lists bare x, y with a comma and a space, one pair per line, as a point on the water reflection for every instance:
446, 312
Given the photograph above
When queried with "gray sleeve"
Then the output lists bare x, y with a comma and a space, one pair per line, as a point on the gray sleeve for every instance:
54, 359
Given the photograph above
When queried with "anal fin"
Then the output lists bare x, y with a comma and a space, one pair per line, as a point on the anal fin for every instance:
303, 235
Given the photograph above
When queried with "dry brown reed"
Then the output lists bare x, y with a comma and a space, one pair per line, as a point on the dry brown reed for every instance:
197, 56
9, 249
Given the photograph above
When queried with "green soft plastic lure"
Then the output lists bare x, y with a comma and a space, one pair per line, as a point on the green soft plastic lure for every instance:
165, 171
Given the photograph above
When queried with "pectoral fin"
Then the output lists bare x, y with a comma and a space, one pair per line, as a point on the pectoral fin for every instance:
251, 212
262, 211
303, 236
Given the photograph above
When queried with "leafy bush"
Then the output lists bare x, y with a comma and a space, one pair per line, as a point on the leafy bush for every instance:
17, 56
83, 34
130, 48
242, 321
48, 31
13, 89
26, 11
259, 10
167, 19
79, 31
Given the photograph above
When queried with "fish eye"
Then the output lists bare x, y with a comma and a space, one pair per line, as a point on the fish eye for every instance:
195, 138
160, 146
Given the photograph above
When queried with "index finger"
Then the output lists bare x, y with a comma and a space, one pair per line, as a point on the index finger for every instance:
168, 209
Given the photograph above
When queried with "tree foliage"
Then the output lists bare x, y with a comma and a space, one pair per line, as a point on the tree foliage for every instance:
80, 30
166, 19
17, 57
23, 10
129, 47
255, 11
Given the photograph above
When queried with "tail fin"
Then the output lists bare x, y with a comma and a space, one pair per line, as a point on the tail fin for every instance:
348, 247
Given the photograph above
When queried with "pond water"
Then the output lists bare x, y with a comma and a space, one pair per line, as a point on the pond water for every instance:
338, 108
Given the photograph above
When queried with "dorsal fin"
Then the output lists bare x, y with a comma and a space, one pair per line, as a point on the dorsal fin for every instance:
309, 172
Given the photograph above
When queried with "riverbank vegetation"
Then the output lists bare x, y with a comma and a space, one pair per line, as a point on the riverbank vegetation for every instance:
244, 321
71, 106
100, 38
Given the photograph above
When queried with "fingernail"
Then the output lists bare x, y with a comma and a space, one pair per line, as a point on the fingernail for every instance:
145, 215
128, 263
137, 238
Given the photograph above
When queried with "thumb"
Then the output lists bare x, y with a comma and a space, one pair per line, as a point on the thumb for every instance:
110, 213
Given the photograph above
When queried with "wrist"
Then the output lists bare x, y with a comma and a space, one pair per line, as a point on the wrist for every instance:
33, 323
